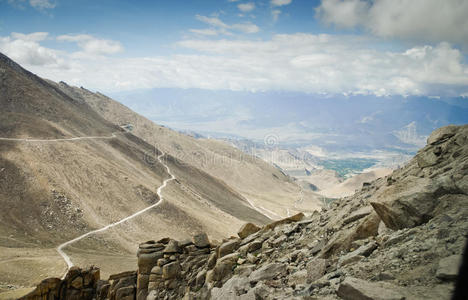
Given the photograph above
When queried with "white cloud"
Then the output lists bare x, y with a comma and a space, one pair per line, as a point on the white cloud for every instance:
213, 21
91, 45
280, 2
224, 28
31, 37
296, 62
418, 20
275, 14
246, 7
347, 13
42, 4
207, 31
25, 49
246, 27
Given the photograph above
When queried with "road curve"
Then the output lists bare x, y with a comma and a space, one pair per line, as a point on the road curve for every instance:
261, 209
159, 193
67, 259
59, 140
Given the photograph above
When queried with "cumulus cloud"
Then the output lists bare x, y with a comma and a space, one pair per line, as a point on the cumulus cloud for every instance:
280, 2
91, 45
246, 7
332, 64
220, 27
26, 49
419, 20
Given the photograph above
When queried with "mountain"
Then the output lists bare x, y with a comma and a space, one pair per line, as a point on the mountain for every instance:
256, 180
67, 169
349, 123
399, 237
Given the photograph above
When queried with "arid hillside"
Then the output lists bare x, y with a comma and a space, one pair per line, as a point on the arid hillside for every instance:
65, 170
269, 190
400, 237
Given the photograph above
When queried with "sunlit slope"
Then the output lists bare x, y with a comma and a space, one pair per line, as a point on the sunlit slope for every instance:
255, 179
54, 188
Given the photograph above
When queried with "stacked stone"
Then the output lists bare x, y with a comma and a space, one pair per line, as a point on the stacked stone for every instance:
167, 268
121, 286
77, 284
148, 255
238, 255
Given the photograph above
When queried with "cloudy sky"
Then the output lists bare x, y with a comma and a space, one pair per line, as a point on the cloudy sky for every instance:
379, 47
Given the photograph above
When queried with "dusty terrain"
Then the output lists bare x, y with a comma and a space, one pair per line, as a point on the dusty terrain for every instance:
400, 237
252, 177
351, 185
55, 187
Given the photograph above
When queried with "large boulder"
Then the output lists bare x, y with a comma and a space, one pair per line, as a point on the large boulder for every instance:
267, 272
441, 134
316, 268
223, 267
363, 251
448, 267
228, 248
201, 240
231, 289
358, 289
247, 229
172, 247
413, 203
147, 261
171, 270
296, 218
77, 284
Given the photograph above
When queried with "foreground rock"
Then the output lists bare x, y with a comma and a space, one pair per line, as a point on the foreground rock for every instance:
77, 284
247, 229
400, 237
357, 289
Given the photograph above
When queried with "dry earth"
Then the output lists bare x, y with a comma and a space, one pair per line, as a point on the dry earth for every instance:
54, 191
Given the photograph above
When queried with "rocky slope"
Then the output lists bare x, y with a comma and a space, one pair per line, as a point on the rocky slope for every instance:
399, 237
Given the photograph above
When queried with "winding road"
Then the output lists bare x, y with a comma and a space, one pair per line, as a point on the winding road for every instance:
159, 193
60, 140
60, 248
262, 210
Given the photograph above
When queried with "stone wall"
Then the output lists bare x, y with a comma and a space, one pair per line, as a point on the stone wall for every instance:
168, 268
77, 284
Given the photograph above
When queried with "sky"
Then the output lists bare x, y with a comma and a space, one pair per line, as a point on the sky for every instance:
346, 47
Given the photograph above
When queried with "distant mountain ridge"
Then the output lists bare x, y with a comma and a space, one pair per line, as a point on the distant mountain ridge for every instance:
334, 121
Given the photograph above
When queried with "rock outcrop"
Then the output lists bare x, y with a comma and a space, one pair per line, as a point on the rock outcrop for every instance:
77, 284
399, 237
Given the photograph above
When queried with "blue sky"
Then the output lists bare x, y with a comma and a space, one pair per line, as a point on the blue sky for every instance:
152, 27
380, 47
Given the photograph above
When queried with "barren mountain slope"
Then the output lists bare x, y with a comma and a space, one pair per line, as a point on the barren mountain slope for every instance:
399, 237
264, 185
52, 191
350, 185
